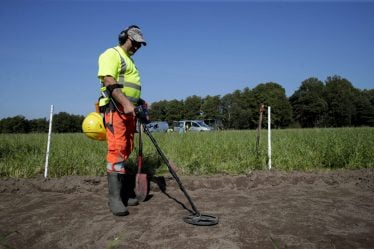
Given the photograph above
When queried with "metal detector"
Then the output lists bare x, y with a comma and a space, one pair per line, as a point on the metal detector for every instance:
196, 218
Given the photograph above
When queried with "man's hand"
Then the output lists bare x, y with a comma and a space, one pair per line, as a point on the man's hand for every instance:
128, 107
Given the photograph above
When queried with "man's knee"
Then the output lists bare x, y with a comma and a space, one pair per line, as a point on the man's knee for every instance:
118, 167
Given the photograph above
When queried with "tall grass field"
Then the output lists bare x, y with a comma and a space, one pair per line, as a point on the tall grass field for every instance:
219, 152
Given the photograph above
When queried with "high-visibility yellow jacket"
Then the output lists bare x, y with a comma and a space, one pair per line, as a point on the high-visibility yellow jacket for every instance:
118, 64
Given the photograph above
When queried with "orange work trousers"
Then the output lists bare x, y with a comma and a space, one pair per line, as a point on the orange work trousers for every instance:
120, 131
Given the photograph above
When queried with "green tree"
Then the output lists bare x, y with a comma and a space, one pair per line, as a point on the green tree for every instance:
309, 106
174, 111
364, 109
250, 109
234, 110
369, 94
211, 107
158, 110
339, 95
239, 110
38, 125
16, 124
227, 112
192, 107
274, 95
64, 122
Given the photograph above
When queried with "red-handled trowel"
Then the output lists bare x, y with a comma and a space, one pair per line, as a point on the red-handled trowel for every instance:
141, 187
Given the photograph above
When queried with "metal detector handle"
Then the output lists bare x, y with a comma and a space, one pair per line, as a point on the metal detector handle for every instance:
172, 172
140, 152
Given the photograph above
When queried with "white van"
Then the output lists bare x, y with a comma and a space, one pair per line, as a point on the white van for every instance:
158, 126
191, 125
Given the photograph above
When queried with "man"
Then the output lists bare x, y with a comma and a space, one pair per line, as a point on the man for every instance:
122, 88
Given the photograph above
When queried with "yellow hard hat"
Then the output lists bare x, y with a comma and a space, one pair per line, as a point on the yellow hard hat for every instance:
93, 126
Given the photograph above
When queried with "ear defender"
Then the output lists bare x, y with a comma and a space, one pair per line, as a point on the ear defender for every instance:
122, 37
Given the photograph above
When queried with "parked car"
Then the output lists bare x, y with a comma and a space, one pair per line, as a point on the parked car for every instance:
191, 125
158, 126
216, 124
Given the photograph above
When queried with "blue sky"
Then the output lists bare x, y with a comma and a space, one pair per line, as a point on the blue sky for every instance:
49, 49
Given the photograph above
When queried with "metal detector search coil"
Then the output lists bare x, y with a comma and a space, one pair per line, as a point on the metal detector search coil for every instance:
201, 220
196, 218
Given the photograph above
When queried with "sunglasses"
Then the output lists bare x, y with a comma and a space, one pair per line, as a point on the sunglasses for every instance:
136, 44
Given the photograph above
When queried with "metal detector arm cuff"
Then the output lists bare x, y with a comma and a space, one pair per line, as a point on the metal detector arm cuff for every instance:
142, 114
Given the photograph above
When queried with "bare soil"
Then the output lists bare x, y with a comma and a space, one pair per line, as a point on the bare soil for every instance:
260, 210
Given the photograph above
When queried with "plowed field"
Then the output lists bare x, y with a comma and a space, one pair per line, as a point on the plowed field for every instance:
259, 210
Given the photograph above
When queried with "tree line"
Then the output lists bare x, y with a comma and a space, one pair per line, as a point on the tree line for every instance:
332, 103
62, 122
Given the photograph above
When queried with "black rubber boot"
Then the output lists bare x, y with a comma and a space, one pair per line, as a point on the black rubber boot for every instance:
128, 194
115, 202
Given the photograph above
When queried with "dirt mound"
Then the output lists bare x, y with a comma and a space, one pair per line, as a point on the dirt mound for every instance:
264, 209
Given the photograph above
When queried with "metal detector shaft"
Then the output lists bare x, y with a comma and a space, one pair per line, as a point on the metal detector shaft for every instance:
172, 172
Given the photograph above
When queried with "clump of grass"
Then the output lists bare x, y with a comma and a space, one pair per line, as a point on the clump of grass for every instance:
275, 244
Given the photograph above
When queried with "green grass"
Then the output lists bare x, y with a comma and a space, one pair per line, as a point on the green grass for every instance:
231, 152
